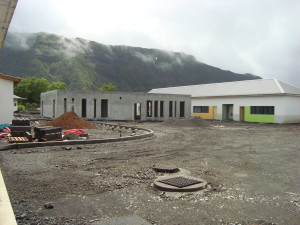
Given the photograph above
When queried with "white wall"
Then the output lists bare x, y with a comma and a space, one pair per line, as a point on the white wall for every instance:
292, 110
6, 101
287, 108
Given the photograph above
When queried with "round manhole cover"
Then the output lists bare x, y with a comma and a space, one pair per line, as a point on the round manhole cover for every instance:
179, 183
165, 168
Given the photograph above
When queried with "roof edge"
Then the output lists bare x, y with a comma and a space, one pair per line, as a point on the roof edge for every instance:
16, 80
253, 95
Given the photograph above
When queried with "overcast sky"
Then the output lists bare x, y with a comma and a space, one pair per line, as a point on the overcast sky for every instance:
261, 37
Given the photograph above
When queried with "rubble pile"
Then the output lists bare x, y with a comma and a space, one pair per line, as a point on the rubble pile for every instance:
187, 122
70, 120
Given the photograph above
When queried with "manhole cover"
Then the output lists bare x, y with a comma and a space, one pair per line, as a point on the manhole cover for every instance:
180, 182
165, 168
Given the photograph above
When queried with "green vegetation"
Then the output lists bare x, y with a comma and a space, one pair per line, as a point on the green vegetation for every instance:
32, 87
84, 65
108, 87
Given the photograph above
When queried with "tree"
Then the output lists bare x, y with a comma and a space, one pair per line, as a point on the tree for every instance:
32, 87
57, 85
108, 87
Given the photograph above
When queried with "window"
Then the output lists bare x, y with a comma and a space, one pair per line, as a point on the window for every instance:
262, 110
95, 108
72, 104
200, 109
161, 109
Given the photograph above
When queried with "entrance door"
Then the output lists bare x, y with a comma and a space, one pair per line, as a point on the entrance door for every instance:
242, 113
227, 112
137, 111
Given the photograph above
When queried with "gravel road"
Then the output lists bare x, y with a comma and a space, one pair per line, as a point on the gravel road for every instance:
252, 170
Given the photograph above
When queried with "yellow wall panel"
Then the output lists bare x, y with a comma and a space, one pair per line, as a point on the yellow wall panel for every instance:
210, 115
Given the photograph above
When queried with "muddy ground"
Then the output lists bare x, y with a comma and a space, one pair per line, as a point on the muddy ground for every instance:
253, 173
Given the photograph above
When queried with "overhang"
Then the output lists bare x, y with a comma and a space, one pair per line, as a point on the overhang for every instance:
7, 9
16, 80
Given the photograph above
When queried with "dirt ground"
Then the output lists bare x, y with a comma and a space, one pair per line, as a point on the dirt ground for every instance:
253, 173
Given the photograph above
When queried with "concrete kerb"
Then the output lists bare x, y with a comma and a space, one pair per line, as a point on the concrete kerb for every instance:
79, 142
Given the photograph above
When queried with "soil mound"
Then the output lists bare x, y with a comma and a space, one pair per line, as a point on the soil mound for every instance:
70, 120
187, 122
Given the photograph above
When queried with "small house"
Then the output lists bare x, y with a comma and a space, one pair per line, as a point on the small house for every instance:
7, 84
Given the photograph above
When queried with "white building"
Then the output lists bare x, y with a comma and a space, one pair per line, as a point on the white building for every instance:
262, 100
7, 98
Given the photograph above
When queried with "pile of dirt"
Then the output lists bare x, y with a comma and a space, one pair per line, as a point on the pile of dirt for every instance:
187, 122
70, 120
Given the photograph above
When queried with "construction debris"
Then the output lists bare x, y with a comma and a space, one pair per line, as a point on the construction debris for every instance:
70, 120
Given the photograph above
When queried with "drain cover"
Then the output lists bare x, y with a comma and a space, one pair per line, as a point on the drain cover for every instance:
165, 168
180, 182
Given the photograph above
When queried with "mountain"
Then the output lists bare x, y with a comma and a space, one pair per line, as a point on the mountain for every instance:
86, 65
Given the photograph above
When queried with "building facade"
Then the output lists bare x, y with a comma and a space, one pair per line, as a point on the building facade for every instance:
262, 100
7, 98
106, 105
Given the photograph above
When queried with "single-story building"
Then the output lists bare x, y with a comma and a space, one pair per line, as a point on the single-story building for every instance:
7, 98
261, 100
16, 102
111, 105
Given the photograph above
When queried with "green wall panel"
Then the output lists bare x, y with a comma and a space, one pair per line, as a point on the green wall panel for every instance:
258, 118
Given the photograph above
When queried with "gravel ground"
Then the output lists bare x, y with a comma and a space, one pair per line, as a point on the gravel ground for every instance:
253, 173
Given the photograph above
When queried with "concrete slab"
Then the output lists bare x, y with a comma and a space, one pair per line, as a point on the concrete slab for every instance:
124, 220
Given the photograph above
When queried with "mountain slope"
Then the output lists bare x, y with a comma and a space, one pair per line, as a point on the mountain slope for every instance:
86, 65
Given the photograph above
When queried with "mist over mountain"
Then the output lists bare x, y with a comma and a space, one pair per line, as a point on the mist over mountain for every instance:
86, 65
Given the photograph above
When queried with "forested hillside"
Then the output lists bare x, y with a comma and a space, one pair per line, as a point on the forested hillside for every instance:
87, 65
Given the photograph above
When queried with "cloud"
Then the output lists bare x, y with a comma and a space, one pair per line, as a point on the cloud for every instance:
72, 47
249, 36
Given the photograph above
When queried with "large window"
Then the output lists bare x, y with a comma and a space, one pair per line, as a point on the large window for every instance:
262, 110
200, 109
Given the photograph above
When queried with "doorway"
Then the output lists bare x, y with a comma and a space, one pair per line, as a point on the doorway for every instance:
181, 109
83, 107
242, 113
137, 111
227, 111
104, 107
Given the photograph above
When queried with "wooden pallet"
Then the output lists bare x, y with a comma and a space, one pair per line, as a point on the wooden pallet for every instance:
17, 139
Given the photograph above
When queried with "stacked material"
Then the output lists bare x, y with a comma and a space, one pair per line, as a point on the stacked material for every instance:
48, 133
21, 128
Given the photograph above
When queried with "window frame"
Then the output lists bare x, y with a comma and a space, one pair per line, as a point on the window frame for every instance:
200, 109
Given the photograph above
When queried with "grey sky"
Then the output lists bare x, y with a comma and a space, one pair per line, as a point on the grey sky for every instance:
245, 36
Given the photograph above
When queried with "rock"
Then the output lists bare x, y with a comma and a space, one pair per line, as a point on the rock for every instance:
49, 205
71, 136
67, 148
